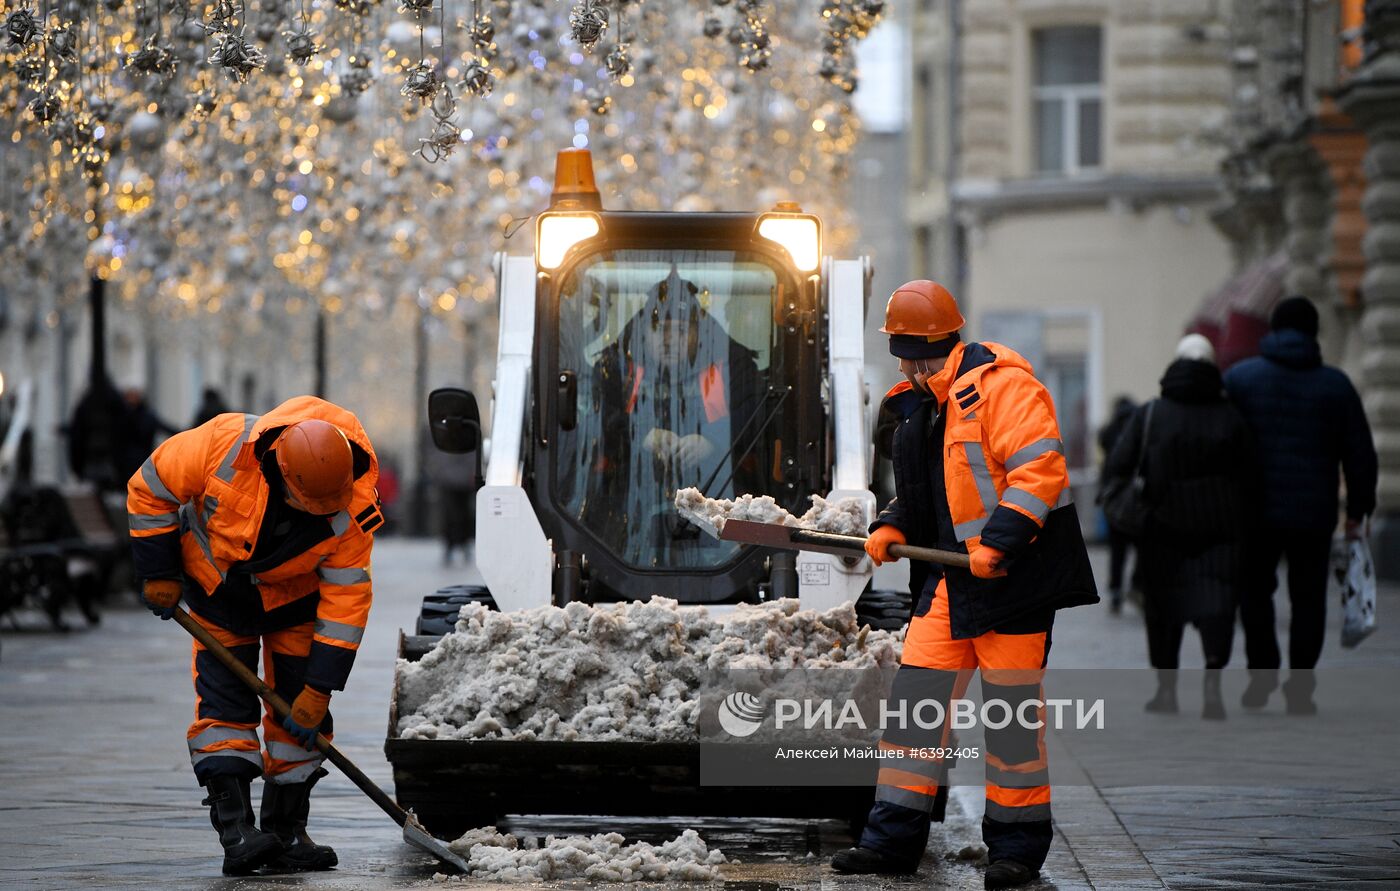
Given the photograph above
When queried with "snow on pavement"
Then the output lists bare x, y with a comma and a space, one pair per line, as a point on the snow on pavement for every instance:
605, 857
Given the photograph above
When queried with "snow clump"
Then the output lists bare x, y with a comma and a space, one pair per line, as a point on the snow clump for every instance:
605, 857
843, 516
620, 671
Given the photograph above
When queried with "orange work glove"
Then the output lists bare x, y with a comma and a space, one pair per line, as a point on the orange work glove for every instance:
986, 562
308, 711
878, 544
160, 596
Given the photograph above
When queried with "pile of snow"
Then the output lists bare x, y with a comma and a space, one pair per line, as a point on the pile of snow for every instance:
844, 516
501, 857
622, 671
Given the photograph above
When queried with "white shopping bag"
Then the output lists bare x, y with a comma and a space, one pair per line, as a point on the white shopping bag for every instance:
1355, 575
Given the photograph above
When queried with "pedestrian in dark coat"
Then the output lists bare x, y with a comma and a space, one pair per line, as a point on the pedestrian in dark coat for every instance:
97, 443
1198, 469
454, 478
139, 430
1308, 420
211, 405
1118, 540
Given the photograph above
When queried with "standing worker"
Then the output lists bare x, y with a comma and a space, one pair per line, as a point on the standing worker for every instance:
979, 469
264, 526
1308, 420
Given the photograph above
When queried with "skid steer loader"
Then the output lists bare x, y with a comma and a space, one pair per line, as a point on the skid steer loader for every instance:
640, 353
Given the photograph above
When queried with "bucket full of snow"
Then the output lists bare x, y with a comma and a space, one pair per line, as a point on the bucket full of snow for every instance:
594, 710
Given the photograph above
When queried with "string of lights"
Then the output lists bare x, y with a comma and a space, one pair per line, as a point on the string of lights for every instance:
235, 166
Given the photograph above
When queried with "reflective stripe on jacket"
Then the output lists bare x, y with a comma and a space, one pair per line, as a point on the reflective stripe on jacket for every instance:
196, 505
712, 391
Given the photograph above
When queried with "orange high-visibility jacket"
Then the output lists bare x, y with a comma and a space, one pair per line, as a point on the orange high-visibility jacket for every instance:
1007, 486
202, 496
1001, 445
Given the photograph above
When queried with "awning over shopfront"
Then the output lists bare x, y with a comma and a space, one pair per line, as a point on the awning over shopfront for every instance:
1235, 317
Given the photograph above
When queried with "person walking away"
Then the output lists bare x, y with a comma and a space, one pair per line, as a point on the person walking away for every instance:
139, 431
979, 469
96, 441
1198, 462
1308, 420
264, 526
1118, 540
211, 405
454, 478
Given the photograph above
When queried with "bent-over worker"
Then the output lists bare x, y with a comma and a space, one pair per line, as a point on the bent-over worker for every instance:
264, 526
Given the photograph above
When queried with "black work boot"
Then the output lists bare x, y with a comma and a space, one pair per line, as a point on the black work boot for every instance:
1009, 874
231, 812
866, 861
285, 808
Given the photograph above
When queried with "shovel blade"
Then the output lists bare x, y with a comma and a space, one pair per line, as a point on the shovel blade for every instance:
768, 535
700, 520
791, 538
416, 835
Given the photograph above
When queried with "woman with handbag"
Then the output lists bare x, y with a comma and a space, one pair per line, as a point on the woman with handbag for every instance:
1183, 472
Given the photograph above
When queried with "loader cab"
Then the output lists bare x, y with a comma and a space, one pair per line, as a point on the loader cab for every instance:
672, 350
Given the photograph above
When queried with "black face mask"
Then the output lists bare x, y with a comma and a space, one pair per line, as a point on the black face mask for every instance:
905, 347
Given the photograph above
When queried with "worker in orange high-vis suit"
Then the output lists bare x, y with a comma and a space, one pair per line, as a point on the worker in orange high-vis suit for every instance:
263, 525
979, 469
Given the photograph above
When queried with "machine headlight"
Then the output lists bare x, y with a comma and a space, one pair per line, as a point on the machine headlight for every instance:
800, 235
558, 232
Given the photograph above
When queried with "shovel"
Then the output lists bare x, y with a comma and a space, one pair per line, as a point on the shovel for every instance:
413, 831
798, 538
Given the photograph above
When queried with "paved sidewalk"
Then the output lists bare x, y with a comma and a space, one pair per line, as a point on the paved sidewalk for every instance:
98, 791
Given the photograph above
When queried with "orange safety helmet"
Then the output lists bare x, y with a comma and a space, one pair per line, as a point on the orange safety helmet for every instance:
922, 308
316, 464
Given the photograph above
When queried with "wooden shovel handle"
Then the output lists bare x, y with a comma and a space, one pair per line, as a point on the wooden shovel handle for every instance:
282, 710
856, 543
932, 555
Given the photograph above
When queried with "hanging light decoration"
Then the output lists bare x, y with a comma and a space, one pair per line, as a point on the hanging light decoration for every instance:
588, 21
239, 189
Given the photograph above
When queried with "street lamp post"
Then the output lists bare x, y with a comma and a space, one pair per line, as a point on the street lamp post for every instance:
420, 524
319, 387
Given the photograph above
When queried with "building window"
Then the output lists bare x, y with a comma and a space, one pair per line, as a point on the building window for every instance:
1068, 99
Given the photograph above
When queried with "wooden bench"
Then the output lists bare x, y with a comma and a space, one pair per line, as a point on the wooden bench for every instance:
93, 525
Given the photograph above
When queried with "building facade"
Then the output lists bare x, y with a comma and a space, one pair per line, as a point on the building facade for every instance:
1077, 166
1312, 185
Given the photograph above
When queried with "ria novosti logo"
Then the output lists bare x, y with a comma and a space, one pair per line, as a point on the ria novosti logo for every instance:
741, 714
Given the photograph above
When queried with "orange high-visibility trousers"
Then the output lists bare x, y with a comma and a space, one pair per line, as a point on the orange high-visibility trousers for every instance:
936, 666
223, 738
